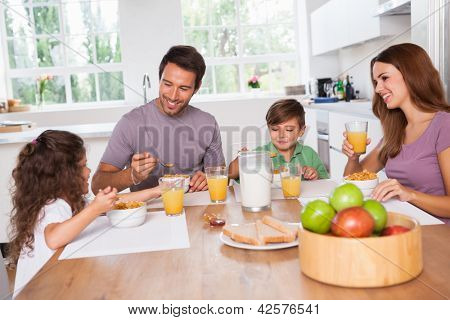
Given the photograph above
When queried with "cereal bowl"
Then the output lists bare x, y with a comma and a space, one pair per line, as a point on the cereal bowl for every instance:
127, 214
366, 181
187, 179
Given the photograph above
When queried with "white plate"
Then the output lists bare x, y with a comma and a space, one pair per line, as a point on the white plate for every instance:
271, 246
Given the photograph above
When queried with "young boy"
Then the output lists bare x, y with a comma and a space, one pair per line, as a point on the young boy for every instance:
286, 122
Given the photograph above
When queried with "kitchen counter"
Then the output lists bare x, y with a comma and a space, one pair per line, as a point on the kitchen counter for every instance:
94, 130
363, 109
97, 130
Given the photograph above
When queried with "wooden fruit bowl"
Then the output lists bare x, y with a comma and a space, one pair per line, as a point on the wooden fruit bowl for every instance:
363, 262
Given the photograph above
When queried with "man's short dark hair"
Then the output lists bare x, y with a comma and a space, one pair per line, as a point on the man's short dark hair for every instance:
187, 58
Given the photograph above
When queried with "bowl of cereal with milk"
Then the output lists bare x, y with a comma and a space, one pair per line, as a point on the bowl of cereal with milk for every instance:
364, 180
127, 214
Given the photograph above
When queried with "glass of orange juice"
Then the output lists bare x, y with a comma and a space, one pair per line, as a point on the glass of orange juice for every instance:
357, 135
217, 183
172, 191
291, 177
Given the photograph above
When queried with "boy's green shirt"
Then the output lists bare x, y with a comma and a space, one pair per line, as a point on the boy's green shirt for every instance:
304, 155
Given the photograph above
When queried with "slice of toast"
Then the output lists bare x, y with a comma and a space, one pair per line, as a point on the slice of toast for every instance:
267, 234
289, 230
243, 233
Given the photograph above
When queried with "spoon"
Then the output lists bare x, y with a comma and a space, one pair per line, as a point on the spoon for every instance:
166, 165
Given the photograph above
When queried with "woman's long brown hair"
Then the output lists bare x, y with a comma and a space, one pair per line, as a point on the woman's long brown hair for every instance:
424, 87
47, 169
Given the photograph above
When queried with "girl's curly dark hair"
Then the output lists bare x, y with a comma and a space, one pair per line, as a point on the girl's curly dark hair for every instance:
47, 169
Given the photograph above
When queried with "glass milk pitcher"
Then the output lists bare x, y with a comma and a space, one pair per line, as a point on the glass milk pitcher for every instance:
255, 174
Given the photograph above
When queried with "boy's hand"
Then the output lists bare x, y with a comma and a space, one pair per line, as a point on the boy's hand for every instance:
198, 182
104, 200
310, 173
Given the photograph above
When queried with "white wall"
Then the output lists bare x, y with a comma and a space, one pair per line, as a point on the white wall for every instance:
152, 27
355, 60
323, 66
2, 73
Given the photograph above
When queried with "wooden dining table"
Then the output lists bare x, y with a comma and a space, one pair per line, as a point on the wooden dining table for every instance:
209, 269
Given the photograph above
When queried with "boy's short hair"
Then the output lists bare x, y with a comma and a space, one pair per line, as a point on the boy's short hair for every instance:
283, 110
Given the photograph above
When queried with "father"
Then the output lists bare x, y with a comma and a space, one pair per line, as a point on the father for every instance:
166, 130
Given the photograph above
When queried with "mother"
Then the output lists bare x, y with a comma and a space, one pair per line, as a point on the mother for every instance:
415, 150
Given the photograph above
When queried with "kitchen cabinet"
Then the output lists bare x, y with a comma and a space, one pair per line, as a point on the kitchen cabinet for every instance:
341, 23
336, 127
310, 138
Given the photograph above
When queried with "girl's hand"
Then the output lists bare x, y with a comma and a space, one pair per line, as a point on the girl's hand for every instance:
104, 200
347, 148
392, 188
158, 191
310, 173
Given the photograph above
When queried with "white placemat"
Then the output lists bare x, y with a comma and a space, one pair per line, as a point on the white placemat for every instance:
309, 189
159, 232
320, 189
317, 188
200, 198
407, 209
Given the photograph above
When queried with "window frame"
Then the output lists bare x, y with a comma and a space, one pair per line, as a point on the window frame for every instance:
241, 60
64, 70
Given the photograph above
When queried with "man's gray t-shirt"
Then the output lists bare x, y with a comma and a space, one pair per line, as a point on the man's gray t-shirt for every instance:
190, 140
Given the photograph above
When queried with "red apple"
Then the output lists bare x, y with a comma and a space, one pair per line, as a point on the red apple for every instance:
354, 222
391, 230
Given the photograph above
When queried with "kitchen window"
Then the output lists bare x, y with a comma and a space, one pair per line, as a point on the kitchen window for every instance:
76, 42
240, 39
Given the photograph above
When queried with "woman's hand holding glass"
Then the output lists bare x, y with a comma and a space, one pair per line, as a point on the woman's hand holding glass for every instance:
347, 148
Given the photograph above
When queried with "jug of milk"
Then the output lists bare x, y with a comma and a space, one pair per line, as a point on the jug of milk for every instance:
255, 174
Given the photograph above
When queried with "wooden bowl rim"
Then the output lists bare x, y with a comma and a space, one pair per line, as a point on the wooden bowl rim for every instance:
394, 236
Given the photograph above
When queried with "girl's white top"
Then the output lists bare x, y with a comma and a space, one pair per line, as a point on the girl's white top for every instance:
30, 263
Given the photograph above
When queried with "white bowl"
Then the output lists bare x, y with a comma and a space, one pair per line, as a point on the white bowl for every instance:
366, 186
127, 218
187, 180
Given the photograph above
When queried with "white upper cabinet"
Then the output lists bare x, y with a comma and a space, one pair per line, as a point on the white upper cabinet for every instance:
342, 23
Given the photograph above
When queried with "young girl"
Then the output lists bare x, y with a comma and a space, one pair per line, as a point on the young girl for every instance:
409, 100
49, 209
286, 122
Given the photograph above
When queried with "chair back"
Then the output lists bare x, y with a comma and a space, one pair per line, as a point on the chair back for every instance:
4, 282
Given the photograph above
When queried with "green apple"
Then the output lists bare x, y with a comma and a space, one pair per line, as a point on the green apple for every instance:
317, 216
346, 196
378, 213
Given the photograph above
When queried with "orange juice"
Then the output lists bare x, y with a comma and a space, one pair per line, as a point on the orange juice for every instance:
217, 186
173, 201
291, 186
358, 141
